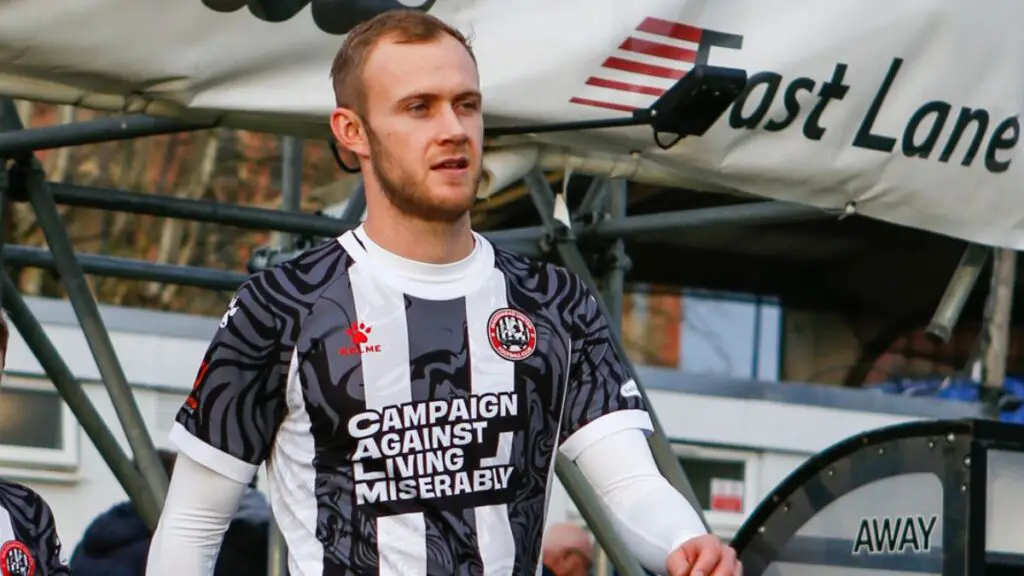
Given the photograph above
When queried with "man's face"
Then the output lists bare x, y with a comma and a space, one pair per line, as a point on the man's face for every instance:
424, 126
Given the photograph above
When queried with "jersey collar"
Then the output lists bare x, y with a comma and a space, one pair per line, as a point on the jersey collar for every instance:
422, 279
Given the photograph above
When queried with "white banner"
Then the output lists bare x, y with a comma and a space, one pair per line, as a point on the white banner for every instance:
905, 111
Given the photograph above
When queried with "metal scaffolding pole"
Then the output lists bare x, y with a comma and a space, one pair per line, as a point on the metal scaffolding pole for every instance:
291, 202
95, 331
127, 268
569, 252
75, 397
758, 213
247, 217
618, 262
277, 552
291, 182
91, 132
253, 218
600, 192
3, 224
9, 120
595, 199
997, 325
749, 214
596, 516
131, 269
947, 313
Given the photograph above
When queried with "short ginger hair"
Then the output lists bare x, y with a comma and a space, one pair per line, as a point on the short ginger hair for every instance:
404, 26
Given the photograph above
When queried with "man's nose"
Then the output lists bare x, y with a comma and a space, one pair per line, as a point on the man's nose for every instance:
452, 129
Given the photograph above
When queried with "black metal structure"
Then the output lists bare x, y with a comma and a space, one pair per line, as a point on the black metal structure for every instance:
910, 498
688, 108
600, 227
144, 480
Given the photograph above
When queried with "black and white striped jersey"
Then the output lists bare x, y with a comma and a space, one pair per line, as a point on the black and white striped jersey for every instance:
29, 545
408, 413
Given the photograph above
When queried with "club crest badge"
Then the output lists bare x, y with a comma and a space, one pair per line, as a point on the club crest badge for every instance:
16, 559
512, 334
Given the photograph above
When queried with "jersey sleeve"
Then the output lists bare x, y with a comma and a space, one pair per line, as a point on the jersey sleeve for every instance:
230, 417
50, 550
602, 397
35, 529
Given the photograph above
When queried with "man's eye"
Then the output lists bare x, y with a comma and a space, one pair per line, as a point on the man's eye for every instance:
417, 108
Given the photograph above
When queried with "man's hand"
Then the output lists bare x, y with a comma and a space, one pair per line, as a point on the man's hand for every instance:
704, 556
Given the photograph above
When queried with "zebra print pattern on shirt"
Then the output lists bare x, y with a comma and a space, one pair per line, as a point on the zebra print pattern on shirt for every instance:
35, 531
308, 310
237, 401
596, 371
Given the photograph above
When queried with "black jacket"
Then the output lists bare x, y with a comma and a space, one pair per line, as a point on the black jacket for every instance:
117, 542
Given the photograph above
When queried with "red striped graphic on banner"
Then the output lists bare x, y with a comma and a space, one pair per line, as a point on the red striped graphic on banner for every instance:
642, 65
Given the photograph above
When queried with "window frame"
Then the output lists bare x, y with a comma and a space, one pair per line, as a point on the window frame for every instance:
726, 524
66, 458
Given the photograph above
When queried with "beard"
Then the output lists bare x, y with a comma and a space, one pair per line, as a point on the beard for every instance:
415, 198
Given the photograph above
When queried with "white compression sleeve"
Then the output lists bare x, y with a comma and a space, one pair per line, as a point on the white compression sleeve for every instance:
650, 515
198, 510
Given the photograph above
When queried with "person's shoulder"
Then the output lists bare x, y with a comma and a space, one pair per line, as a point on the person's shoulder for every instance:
556, 288
301, 278
519, 267
11, 490
22, 503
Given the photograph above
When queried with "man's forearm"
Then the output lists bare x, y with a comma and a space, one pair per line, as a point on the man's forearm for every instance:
651, 516
198, 510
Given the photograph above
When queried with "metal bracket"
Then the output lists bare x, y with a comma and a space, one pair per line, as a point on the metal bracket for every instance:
19, 142
595, 201
555, 235
959, 289
17, 176
615, 260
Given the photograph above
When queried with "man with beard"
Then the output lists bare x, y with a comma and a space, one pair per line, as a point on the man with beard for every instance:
408, 384
29, 545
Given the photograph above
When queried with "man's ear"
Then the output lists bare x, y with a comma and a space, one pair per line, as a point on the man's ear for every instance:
349, 132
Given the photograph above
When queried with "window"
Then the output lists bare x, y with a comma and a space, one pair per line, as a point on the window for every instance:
37, 429
724, 481
731, 335
713, 333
